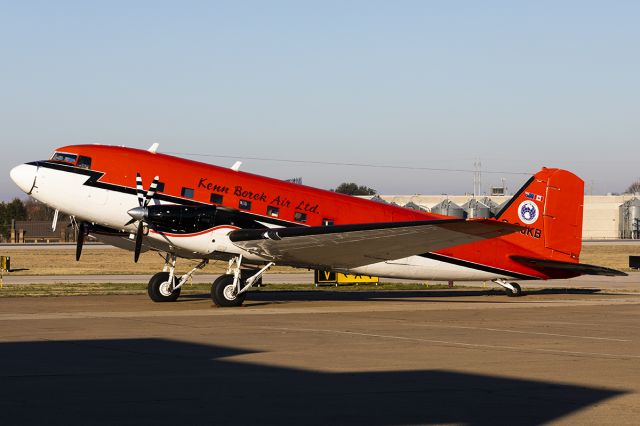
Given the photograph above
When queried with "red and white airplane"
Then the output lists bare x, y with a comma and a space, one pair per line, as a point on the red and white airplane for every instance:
145, 200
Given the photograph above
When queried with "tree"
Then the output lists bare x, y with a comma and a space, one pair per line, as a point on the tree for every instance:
350, 188
633, 188
37, 211
13, 210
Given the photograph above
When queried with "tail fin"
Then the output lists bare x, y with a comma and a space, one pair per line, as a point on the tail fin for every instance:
550, 206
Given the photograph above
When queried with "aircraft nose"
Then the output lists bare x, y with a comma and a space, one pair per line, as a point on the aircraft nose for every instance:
24, 176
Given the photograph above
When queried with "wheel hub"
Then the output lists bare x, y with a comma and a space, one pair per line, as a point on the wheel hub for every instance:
229, 292
165, 289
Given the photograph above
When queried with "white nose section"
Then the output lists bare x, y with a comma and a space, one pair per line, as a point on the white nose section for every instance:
24, 176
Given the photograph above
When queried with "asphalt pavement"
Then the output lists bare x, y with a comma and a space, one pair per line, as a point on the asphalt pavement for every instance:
317, 358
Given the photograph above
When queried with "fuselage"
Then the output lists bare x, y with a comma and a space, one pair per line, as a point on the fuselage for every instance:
97, 184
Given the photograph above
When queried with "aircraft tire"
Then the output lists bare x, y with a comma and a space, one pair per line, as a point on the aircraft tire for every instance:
222, 292
157, 288
516, 293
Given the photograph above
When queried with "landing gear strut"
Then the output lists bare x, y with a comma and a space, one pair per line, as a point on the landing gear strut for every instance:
230, 289
512, 289
165, 286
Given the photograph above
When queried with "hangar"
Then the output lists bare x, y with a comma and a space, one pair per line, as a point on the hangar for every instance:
606, 217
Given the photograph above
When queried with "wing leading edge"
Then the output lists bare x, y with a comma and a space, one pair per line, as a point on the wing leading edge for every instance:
351, 246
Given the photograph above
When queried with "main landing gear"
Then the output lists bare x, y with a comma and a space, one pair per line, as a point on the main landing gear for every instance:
161, 288
230, 289
227, 290
165, 286
512, 289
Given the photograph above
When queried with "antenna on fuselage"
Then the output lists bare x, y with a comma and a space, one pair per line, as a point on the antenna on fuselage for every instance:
154, 148
236, 166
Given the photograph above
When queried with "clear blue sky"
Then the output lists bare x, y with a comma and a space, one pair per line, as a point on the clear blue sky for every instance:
515, 84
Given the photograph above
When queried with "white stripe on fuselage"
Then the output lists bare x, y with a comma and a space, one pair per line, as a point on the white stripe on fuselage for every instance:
422, 268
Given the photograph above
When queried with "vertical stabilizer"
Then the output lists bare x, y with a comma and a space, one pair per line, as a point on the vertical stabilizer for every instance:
550, 206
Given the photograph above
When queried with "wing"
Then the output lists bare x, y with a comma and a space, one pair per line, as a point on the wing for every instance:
350, 246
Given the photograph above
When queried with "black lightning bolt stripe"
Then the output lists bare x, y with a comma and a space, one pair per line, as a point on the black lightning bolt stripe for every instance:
514, 198
477, 266
94, 177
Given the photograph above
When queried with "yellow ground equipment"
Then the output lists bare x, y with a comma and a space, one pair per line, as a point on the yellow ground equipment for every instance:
5, 266
335, 278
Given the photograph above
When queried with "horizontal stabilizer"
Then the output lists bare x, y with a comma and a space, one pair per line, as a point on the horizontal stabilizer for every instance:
578, 268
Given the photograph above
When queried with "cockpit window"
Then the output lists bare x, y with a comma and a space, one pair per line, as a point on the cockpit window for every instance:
64, 158
84, 162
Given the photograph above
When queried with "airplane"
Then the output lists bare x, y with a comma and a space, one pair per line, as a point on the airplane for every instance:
145, 200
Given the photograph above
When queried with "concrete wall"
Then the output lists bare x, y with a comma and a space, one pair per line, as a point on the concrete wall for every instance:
602, 216
601, 212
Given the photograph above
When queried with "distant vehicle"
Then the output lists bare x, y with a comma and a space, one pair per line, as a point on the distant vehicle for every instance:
144, 200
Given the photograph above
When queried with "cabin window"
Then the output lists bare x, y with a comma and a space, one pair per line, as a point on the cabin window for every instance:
160, 187
300, 217
187, 192
245, 205
64, 158
273, 211
327, 222
84, 162
215, 199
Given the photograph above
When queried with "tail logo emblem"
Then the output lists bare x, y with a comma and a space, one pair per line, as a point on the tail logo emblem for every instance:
528, 212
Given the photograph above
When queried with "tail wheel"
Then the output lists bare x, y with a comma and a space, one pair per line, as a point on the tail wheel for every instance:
160, 290
224, 293
516, 292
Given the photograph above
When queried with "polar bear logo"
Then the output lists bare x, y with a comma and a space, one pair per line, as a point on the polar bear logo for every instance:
528, 212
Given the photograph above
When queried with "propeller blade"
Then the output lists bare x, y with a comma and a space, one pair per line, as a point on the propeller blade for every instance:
136, 253
151, 191
130, 222
139, 189
80, 239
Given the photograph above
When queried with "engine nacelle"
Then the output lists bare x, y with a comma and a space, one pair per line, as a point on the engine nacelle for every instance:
182, 219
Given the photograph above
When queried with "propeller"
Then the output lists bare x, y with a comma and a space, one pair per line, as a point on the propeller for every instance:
82, 232
139, 213
139, 235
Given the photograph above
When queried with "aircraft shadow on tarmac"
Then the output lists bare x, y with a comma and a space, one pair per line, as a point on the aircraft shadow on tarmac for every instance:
390, 295
156, 381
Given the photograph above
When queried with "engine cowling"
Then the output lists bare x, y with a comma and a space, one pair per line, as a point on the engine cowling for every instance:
182, 219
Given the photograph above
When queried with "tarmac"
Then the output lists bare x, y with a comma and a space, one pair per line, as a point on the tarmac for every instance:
468, 356
630, 283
